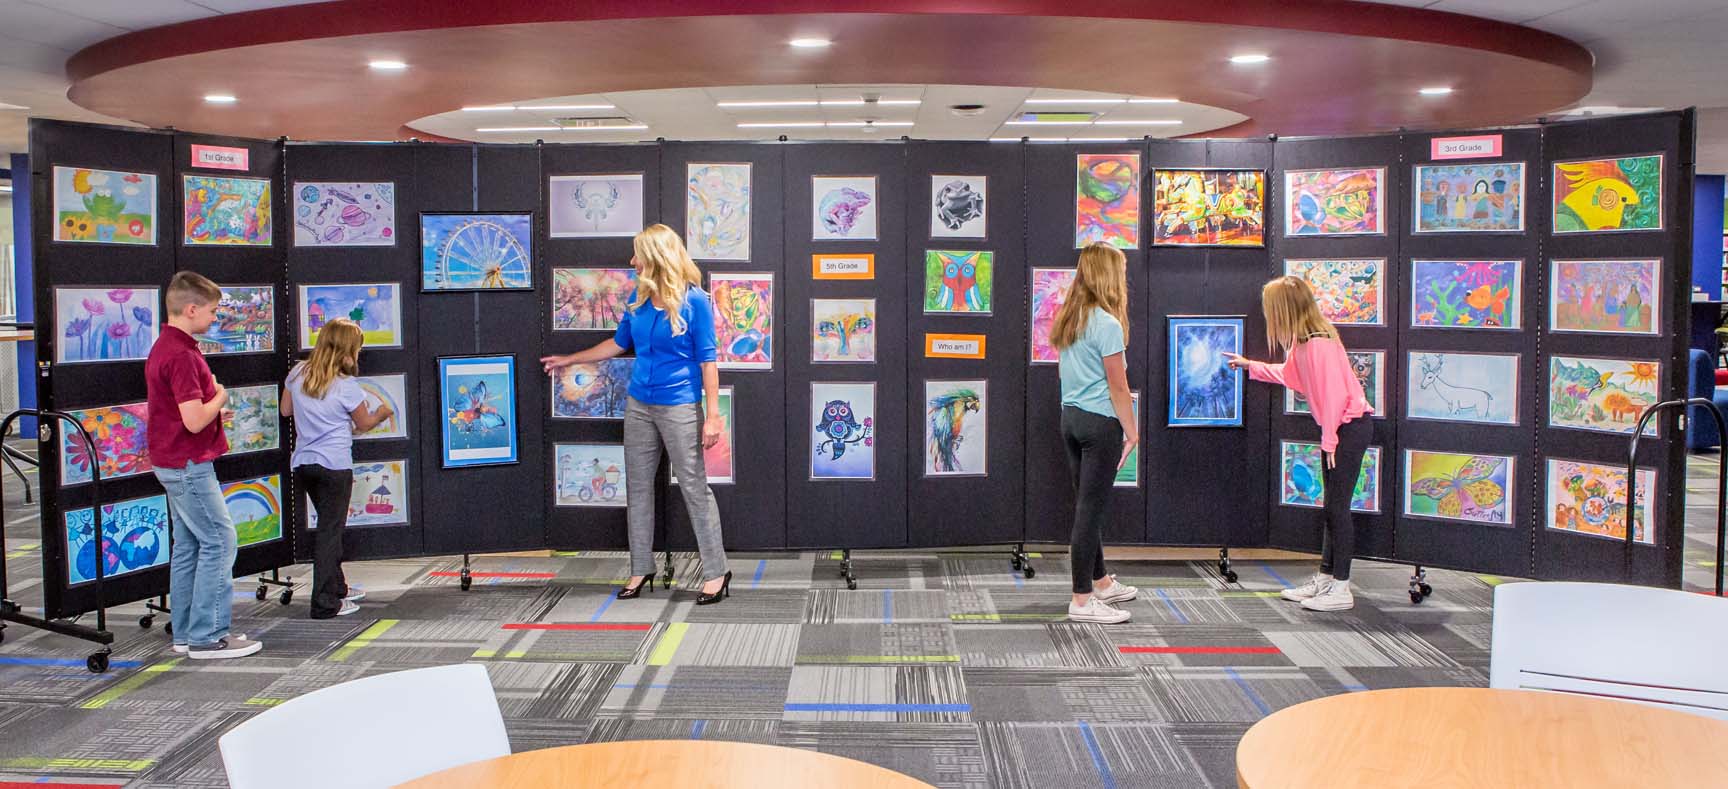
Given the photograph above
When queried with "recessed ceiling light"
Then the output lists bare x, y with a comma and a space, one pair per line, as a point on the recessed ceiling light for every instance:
897, 102
490, 108
1250, 59
1154, 101
1139, 123
744, 105
810, 43
387, 65
1076, 101
1435, 91
219, 98
844, 124
784, 125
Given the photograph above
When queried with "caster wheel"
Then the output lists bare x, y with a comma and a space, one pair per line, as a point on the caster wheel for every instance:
168, 628
851, 584
97, 663
1416, 597
1230, 575
146, 621
467, 583
1031, 573
1427, 590
287, 596
261, 594
666, 580
1016, 562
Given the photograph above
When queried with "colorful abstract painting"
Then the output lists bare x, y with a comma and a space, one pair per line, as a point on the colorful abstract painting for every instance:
1301, 483
478, 394
104, 324
476, 251
1349, 292
717, 460
595, 206
1107, 199
1467, 294
958, 207
1590, 498
599, 390
256, 425
134, 538
717, 211
1204, 391
1128, 474
122, 448
382, 390
255, 506
843, 437
245, 322
958, 281
1463, 387
1608, 195
1459, 487
376, 306
843, 207
1484, 197
1605, 395
1369, 366
1605, 296
956, 428
379, 496
346, 214
590, 298
1049, 290
104, 206
227, 211
588, 475
842, 330
1209, 208
743, 320
1346, 202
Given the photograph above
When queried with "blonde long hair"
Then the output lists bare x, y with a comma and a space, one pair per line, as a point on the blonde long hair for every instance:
667, 272
337, 354
1100, 280
1292, 315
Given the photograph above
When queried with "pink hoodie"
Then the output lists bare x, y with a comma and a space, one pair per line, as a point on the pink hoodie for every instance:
1319, 370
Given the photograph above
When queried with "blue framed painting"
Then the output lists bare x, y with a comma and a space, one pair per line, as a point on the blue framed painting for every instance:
1204, 391
473, 251
478, 394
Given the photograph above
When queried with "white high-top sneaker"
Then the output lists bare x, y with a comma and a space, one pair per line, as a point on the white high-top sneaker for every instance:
1336, 597
1097, 611
1315, 586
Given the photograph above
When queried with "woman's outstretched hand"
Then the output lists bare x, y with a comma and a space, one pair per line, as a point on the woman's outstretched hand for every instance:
1235, 361
552, 364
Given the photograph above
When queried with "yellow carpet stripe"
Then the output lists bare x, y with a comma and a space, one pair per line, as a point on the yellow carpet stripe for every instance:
129, 684
44, 763
365, 638
669, 642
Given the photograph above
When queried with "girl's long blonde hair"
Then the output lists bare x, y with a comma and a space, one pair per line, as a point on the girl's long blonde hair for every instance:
667, 272
1292, 315
1100, 280
337, 354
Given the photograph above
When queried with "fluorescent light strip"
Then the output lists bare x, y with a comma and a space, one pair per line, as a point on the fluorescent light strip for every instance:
1076, 101
510, 129
823, 124
791, 125
507, 129
747, 105
565, 107
744, 105
1004, 139
1154, 101
1097, 139
1138, 123
491, 108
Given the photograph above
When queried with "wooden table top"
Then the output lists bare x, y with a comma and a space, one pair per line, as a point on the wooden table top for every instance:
1437, 738
674, 763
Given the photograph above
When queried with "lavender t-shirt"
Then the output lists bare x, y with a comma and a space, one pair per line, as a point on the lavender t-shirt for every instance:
324, 427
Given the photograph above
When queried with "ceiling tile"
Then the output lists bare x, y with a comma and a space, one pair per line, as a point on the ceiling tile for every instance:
45, 25
131, 14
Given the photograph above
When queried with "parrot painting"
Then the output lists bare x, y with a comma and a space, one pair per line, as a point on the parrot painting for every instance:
947, 421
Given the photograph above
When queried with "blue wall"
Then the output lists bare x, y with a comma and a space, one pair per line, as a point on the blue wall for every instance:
1707, 234
23, 283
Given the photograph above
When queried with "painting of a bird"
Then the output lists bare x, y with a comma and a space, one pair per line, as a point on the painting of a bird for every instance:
947, 422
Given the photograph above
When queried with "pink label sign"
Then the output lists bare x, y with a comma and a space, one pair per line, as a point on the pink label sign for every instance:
215, 157
1478, 147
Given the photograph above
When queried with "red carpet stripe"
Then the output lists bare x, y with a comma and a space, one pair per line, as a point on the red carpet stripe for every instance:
493, 575
1198, 650
573, 626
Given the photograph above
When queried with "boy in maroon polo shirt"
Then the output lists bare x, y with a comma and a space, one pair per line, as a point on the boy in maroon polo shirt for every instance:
184, 431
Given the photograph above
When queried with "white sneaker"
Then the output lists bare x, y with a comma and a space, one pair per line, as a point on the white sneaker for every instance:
348, 607
1117, 593
1315, 586
1098, 611
355, 594
1336, 597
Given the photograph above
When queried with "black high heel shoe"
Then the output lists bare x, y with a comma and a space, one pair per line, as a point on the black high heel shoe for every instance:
633, 592
725, 592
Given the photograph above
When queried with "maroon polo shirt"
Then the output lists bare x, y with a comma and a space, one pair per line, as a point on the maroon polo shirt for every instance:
174, 373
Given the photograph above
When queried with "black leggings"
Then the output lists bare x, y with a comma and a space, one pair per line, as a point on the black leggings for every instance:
1094, 445
329, 490
1339, 544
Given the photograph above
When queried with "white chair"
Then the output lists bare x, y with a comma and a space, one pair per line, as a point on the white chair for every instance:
1634, 643
373, 732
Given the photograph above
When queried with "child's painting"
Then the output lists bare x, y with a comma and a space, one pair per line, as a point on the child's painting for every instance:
843, 330
743, 320
476, 251
1467, 294
104, 324
717, 211
843, 207
956, 428
346, 214
1204, 391
1605, 395
1605, 296
104, 206
599, 390
1486, 197
1463, 387
958, 282
957, 206
1346, 202
386, 390
1459, 487
1209, 208
1369, 367
1608, 195
1349, 292
227, 211
1301, 484
1107, 199
1049, 290
718, 459
843, 441
1590, 498
245, 322
376, 306
589, 475
379, 496
478, 394
122, 449
255, 506
1128, 476
134, 538
257, 422
595, 206
590, 298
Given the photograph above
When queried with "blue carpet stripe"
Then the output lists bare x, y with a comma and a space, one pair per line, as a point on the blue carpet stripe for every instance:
1275, 576
1259, 703
1171, 604
1098, 761
761, 567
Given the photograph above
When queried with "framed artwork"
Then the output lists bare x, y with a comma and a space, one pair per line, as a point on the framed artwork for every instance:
598, 390
134, 538
843, 266
844, 207
98, 324
104, 206
717, 210
743, 319
1463, 387
1608, 195
478, 394
1107, 199
602, 205
382, 390
347, 214
1467, 294
843, 444
1480, 197
1128, 476
257, 422
590, 299
255, 506
1204, 391
376, 306
956, 428
958, 282
379, 496
1343, 202
224, 211
1604, 395
957, 206
1049, 290
1349, 292
245, 322
1458, 486
1209, 208
1370, 369
843, 331
1590, 499
1301, 465
472, 251
588, 475
1605, 296
717, 460
122, 449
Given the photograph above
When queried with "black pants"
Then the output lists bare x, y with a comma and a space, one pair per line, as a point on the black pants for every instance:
1094, 445
330, 491
1339, 545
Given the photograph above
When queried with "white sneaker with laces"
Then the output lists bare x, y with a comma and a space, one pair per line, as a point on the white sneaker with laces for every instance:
355, 594
1118, 592
1097, 611
348, 607
1336, 597
1315, 586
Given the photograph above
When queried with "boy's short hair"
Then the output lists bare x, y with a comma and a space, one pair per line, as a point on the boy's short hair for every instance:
191, 288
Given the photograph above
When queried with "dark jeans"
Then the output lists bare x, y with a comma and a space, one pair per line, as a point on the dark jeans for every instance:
329, 490
1094, 445
1339, 544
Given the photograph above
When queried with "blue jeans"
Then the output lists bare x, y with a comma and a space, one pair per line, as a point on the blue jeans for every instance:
201, 563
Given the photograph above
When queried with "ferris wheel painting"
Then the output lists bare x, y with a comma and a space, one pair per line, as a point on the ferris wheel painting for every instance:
476, 251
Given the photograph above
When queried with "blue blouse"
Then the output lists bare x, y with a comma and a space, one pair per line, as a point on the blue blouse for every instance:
668, 368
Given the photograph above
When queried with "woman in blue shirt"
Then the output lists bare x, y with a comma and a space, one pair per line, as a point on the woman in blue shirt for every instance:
669, 323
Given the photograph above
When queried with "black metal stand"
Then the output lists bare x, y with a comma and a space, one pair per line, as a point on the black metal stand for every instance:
13, 457
158, 606
1721, 480
666, 572
276, 579
846, 568
1419, 588
467, 575
1224, 564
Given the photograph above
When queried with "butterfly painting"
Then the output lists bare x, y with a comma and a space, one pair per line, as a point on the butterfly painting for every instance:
479, 397
1460, 487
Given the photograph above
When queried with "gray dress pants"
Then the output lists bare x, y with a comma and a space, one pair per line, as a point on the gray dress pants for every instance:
679, 428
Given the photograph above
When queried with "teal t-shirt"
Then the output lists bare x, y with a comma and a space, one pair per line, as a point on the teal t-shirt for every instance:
1082, 364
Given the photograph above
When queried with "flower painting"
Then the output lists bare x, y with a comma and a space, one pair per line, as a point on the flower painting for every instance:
104, 324
122, 449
